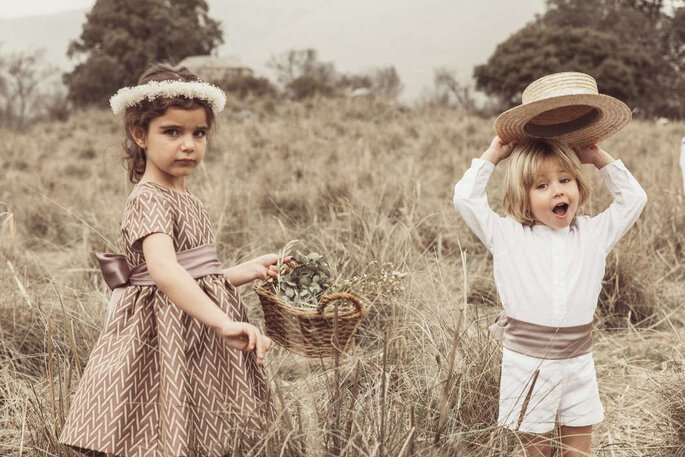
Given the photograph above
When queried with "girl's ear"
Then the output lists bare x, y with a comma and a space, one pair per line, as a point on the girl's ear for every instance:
138, 134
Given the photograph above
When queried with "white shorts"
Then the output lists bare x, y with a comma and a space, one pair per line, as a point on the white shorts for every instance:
565, 393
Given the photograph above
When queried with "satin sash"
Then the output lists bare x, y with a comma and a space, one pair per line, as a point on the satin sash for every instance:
200, 261
542, 341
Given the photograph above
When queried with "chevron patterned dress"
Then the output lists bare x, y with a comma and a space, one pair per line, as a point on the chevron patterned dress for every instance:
158, 382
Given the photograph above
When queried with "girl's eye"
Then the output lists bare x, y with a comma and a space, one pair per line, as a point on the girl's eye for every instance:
200, 133
171, 132
565, 180
541, 186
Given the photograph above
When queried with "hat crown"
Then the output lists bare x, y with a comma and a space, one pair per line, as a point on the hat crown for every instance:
559, 84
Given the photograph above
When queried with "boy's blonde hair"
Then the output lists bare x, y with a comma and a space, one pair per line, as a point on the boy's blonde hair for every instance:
525, 162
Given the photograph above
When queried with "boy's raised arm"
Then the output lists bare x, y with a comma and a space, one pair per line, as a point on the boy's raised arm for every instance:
629, 197
470, 199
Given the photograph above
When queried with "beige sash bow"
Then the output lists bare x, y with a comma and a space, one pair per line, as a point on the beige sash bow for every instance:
542, 341
200, 261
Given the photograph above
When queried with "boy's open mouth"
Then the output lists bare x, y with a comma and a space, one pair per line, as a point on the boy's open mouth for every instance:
561, 209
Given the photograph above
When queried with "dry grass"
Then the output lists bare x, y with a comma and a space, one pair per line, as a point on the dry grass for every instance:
354, 179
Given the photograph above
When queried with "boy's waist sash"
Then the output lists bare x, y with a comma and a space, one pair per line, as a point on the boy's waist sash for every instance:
200, 261
542, 341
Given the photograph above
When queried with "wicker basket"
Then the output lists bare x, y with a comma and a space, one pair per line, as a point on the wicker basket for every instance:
312, 332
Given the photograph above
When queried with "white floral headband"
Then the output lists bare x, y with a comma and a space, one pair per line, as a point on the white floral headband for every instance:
127, 97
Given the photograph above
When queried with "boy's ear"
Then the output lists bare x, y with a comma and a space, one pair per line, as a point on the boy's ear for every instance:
138, 134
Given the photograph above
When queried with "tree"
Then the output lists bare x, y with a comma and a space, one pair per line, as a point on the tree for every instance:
624, 68
385, 82
352, 82
246, 86
672, 99
451, 93
303, 76
596, 13
121, 37
297, 63
308, 86
634, 21
535, 51
23, 94
634, 50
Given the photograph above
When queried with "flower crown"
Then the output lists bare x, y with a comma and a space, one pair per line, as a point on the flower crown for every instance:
127, 97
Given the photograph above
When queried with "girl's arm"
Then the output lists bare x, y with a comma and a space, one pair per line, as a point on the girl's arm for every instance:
629, 197
184, 292
470, 199
259, 268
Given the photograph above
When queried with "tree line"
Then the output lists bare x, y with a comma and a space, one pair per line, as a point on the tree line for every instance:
635, 49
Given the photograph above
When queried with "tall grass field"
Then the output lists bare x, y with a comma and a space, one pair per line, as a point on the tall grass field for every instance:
357, 180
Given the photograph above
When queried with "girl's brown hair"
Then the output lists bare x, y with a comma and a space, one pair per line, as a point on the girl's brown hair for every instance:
143, 113
524, 163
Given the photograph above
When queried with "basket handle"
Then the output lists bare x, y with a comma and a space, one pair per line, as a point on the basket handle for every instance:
328, 299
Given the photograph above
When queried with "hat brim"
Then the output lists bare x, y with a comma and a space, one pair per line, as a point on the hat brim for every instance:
609, 115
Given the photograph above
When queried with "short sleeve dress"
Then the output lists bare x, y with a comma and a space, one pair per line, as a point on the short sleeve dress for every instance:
159, 382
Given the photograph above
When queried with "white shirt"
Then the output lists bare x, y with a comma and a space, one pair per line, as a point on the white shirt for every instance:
547, 276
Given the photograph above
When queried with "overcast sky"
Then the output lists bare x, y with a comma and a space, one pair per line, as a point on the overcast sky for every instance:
18, 8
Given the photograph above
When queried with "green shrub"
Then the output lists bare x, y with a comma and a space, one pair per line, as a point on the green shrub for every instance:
246, 86
307, 87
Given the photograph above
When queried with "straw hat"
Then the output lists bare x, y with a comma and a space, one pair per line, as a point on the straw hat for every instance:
566, 107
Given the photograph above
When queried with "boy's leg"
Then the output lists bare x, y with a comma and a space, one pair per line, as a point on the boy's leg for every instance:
576, 441
532, 445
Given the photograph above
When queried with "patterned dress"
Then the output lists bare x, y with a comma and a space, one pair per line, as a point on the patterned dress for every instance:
159, 382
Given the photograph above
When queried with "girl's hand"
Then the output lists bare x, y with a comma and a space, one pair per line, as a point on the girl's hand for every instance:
266, 266
498, 150
592, 154
245, 337
263, 267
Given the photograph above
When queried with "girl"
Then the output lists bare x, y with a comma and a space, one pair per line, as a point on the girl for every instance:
176, 368
548, 266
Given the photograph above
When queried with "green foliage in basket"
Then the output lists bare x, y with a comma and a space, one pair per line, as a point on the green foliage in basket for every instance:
311, 278
304, 285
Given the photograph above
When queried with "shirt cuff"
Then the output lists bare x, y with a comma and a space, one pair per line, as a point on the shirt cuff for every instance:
615, 165
480, 163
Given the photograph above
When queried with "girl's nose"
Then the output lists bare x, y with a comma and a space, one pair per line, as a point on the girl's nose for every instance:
188, 144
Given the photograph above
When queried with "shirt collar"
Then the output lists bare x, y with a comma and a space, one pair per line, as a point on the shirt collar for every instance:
541, 229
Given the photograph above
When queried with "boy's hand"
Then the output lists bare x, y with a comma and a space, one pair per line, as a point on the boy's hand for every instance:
498, 150
592, 154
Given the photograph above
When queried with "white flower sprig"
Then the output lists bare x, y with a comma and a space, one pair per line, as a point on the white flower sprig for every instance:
130, 96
